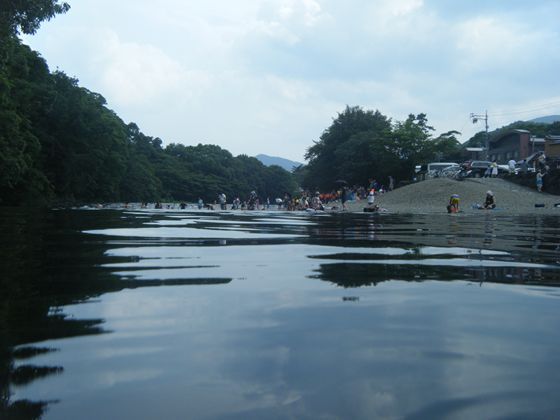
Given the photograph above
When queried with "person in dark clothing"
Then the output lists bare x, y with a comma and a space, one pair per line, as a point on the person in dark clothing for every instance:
490, 202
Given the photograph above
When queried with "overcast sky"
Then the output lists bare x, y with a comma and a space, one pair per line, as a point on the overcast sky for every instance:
268, 76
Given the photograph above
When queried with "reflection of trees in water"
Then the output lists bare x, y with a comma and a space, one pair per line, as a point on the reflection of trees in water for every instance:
514, 235
348, 274
46, 264
357, 275
482, 231
30, 289
516, 275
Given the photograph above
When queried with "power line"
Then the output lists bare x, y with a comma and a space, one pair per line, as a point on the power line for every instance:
484, 117
526, 111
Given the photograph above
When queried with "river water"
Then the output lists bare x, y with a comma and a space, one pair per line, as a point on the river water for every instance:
113, 314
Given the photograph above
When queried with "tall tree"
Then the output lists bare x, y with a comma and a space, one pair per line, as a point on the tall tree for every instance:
410, 144
328, 161
25, 16
23, 75
361, 145
60, 139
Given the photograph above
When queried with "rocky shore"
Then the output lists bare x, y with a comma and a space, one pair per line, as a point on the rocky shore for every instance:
432, 196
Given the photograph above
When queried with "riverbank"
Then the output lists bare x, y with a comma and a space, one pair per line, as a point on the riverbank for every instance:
432, 196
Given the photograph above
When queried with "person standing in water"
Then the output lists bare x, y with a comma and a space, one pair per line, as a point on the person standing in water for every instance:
344, 197
539, 180
371, 198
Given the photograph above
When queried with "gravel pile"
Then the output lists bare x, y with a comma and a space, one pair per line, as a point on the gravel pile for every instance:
432, 196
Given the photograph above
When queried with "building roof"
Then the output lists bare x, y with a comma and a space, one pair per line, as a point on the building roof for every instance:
552, 139
509, 133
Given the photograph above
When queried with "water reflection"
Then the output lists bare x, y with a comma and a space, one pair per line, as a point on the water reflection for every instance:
261, 331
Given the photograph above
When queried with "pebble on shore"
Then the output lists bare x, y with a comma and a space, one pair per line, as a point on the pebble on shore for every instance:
432, 196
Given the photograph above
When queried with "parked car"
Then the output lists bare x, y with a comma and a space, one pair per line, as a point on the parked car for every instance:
476, 168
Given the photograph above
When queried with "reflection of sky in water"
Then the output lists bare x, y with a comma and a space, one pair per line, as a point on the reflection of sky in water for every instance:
180, 222
432, 250
187, 233
276, 261
297, 350
284, 340
255, 223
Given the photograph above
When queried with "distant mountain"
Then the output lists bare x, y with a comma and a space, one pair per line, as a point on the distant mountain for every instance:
287, 164
549, 119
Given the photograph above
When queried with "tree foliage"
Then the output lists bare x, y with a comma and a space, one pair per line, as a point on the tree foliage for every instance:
361, 145
342, 148
25, 16
59, 140
537, 129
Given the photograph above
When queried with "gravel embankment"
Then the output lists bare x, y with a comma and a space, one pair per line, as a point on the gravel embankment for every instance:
432, 196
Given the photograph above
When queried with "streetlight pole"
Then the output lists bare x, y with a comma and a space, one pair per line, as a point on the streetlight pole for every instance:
475, 118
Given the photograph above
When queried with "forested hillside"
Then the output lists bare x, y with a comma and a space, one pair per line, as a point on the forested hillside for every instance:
59, 142
538, 129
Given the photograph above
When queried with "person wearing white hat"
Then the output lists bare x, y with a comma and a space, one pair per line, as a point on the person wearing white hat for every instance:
490, 202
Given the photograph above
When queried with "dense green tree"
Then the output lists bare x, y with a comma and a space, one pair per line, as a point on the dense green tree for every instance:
277, 182
363, 145
140, 182
478, 140
59, 140
20, 175
204, 171
25, 16
328, 161
84, 143
410, 144
447, 148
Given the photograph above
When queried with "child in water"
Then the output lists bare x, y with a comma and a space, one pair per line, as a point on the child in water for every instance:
453, 206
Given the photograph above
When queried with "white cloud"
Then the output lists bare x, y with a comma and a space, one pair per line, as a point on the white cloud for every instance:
294, 12
134, 74
268, 76
489, 41
402, 7
288, 19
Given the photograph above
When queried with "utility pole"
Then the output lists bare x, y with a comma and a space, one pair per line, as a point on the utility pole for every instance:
475, 118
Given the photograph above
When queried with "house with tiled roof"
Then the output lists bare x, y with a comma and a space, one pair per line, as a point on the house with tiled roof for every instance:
552, 146
515, 144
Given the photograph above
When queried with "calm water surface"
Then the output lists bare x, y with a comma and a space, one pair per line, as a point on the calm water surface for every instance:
172, 314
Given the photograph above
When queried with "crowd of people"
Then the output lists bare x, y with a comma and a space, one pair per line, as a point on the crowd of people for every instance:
338, 198
335, 199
